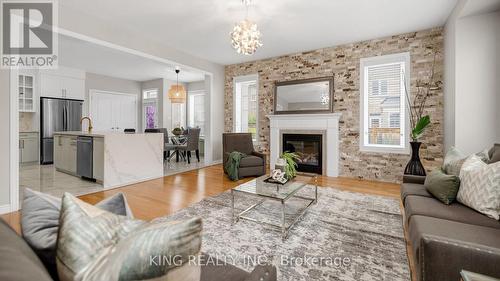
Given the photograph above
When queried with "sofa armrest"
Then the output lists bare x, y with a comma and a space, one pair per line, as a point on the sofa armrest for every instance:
442, 258
261, 155
413, 179
263, 273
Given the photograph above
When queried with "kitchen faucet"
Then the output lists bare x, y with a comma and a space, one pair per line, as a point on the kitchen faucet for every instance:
90, 123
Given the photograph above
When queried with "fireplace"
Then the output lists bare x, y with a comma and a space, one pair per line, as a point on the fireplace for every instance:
309, 149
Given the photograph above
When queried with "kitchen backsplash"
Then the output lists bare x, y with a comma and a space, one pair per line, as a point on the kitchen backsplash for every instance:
27, 122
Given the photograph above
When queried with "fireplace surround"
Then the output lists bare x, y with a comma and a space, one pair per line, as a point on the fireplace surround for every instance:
325, 124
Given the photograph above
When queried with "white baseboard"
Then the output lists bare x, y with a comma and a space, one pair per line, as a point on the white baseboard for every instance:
5, 209
216, 162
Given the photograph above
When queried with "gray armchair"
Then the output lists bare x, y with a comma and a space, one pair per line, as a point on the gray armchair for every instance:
254, 164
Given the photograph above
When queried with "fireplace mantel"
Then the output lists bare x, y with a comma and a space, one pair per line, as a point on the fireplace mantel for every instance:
326, 123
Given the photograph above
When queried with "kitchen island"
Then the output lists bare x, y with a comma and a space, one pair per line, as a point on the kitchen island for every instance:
111, 158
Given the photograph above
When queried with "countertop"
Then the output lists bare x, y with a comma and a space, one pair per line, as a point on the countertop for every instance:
96, 134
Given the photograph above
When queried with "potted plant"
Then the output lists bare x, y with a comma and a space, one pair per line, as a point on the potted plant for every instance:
291, 164
418, 121
177, 131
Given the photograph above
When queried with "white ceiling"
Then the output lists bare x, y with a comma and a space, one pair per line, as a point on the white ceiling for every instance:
201, 27
106, 61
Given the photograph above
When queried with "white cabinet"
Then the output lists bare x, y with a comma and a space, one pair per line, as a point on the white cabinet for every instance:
26, 91
65, 83
28, 147
65, 153
113, 112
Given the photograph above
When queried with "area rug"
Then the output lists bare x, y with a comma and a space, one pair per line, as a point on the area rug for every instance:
345, 236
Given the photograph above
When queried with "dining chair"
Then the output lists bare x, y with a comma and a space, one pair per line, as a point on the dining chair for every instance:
192, 144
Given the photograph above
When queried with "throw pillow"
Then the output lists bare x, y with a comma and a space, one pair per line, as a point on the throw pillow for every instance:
495, 153
479, 188
94, 244
453, 161
40, 222
484, 156
442, 186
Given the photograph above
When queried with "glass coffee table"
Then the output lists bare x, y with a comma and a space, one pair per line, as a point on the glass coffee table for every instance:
277, 192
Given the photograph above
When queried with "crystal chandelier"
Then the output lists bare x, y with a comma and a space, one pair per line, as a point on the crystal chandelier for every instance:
245, 37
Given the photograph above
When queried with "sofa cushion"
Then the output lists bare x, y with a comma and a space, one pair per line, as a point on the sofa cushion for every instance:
430, 207
219, 270
413, 189
251, 161
442, 186
94, 244
495, 153
449, 265
40, 222
18, 262
453, 161
480, 187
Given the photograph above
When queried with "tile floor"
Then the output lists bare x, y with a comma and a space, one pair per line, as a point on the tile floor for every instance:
46, 179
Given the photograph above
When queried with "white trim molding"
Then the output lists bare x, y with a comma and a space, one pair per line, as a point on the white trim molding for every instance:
4, 209
364, 119
326, 124
237, 107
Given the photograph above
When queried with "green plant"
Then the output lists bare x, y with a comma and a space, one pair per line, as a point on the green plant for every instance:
418, 121
291, 164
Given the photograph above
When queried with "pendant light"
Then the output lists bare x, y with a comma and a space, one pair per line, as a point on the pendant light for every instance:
245, 37
177, 93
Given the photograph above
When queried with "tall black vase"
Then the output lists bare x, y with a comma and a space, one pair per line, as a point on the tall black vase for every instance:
415, 167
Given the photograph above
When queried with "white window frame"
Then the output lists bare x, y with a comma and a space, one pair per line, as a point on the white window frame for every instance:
190, 95
148, 101
237, 107
364, 146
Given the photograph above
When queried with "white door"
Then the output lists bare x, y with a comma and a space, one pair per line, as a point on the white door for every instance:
101, 112
123, 113
113, 111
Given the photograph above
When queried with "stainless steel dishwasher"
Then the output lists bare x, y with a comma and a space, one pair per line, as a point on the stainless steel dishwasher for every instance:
84, 157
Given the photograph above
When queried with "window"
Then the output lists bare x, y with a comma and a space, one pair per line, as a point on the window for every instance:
150, 109
246, 105
394, 120
383, 127
196, 110
178, 115
375, 121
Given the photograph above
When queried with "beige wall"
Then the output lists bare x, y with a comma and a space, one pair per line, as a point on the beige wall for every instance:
472, 87
4, 137
343, 63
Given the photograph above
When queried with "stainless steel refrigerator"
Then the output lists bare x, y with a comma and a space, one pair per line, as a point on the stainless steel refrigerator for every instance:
57, 115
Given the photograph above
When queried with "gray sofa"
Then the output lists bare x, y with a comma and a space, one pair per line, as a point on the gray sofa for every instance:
19, 263
448, 238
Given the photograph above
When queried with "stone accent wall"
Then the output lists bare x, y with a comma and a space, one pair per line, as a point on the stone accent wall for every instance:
343, 63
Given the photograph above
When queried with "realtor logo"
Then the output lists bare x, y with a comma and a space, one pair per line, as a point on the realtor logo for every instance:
28, 40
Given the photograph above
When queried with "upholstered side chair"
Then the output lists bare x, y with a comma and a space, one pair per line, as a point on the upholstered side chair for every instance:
254, 164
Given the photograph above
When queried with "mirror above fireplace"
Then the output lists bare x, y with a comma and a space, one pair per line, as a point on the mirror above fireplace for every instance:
304, 96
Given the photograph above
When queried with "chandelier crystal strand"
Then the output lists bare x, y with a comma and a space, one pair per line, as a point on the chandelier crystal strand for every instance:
245, 37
